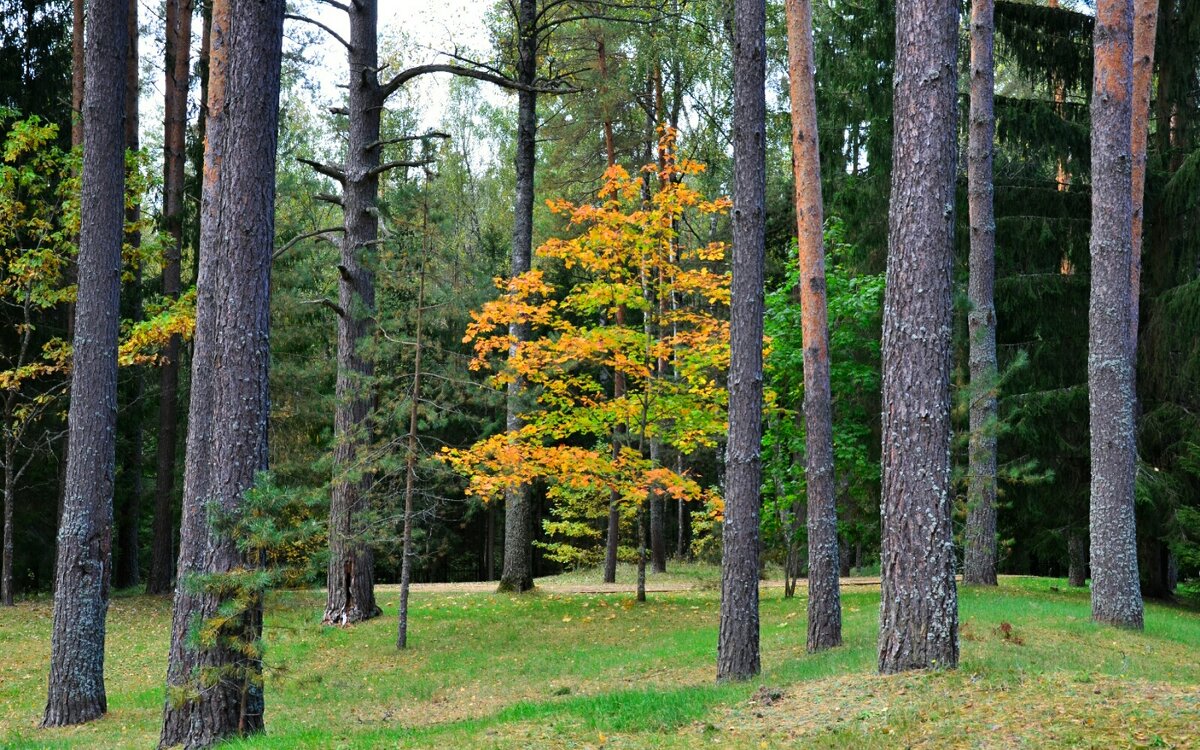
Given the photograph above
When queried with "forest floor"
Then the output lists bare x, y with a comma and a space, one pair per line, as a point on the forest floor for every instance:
596, 670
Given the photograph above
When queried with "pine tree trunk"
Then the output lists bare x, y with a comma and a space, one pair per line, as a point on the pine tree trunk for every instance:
1145, 28
10, 491
1116, 592
83, 567
127, 573
918, 620
351, 577
178, 67
737, 641
227, 429
824, 596
1077, 560
979, 566
516, 574
72, 272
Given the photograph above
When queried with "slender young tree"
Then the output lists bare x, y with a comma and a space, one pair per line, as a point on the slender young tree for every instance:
612, 538
410, 463
737, 641
84, 565
824, 597
979, 566
178, 69
1116, 590
918, 615
227, 428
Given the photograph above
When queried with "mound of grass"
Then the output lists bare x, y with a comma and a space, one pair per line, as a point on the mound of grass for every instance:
592, 670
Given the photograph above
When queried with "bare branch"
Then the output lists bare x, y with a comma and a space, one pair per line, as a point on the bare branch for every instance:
326, 302
300, 238
505, 82
406, 138
325, 169
328, 198
334, 3
397, 164
339, 111
319, 25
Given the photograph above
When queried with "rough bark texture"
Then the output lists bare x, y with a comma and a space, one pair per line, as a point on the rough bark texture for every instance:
824, 597
918, 617
979, 565
1116, 592
516, 573
1077, 560
178, 55
127, 571
77, 70
737, 641
10, 487
227, 431
351, 576
83, 567
1145, 28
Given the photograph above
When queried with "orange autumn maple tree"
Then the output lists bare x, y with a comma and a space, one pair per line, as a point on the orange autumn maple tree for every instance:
645, 306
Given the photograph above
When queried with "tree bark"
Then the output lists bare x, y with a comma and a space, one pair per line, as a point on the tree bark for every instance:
83, 567
127, 572
979, 566
918, 619
1145, 28
824, 596
1116, 592
1077, 560
351, 576
516, 573
737, 641
178, 70
227, 429
72, 272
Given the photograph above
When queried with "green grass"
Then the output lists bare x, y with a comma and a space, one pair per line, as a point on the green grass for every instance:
566, 671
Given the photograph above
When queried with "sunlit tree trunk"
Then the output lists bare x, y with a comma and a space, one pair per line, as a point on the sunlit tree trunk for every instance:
824, 597
918, 617
1145, 28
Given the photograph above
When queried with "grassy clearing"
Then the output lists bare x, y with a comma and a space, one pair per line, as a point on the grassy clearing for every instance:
559, 671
